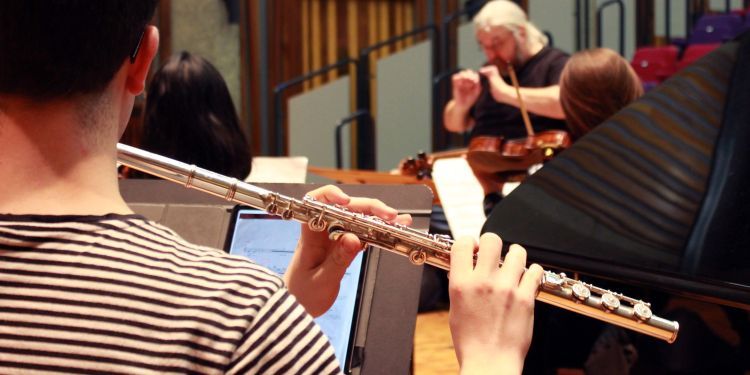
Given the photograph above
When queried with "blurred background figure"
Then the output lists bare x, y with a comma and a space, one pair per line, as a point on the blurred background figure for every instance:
190, 117
594, 85
485, 102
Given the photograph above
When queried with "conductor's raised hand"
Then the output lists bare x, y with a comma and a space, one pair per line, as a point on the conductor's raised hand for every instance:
466, 88
315, 272
492, 308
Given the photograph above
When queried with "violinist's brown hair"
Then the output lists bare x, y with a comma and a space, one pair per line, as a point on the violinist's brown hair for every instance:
594, 85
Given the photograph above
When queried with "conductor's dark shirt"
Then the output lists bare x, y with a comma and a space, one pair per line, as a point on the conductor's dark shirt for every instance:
497, 119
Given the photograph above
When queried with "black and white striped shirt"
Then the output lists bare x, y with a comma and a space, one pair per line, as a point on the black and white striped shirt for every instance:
121, 294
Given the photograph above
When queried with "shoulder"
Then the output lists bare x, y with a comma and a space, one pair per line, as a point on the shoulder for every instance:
550, 62
177, 292
205, 270
278, 335
552, 55
162, 235
283, 338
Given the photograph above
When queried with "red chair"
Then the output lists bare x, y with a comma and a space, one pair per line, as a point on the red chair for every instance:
694, 52
655, 64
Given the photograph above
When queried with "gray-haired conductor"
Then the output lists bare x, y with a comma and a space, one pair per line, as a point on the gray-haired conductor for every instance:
484, 101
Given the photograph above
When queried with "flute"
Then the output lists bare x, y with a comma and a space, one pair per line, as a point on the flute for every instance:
419, 247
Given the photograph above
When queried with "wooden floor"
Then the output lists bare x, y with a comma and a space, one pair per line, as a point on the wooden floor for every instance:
433, 347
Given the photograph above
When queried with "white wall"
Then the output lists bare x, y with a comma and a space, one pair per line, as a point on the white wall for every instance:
558, 17
203, 27
403, 124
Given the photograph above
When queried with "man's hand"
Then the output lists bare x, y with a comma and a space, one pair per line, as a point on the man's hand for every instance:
319, 263
466, 88
492, 308
499, 89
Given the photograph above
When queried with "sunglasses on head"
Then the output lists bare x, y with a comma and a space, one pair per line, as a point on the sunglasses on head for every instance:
137, 47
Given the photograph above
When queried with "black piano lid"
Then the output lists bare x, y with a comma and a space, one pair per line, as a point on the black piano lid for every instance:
658, 195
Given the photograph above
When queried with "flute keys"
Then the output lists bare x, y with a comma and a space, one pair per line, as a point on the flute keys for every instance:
581, 292
317, 224
642, 311
610, 302
417, 257
552, 280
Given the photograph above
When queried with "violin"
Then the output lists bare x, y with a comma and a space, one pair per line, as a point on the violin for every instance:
502, 160
421, 166
509, 159
490, 154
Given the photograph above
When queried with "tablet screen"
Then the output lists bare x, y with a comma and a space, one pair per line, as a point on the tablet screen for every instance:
270, 241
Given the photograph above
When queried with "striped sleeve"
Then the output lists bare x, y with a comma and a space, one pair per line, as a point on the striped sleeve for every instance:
283, 339
119, 294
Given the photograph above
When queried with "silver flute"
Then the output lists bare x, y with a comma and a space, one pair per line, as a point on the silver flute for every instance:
419, 247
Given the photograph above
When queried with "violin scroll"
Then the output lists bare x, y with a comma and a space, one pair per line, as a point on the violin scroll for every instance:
421, 166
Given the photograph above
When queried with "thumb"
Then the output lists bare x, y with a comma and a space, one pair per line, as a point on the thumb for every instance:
488, 69
341, 255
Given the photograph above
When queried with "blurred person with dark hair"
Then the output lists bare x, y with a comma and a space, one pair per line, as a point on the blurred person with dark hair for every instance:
190, 117
594, 85
91, 287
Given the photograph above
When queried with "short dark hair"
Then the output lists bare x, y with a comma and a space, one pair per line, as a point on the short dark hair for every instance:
190, 117
56, 48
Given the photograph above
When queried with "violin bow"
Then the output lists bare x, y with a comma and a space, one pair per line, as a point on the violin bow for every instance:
522, 106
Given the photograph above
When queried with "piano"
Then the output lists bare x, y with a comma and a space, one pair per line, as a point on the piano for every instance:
657, 195
656, 198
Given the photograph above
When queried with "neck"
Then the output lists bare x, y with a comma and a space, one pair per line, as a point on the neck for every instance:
51, 163
530, 50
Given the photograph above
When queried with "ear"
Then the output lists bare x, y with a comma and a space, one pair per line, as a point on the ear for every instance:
138, 70
522, 32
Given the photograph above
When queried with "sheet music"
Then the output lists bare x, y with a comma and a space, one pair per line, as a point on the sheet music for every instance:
271, 242
461, 196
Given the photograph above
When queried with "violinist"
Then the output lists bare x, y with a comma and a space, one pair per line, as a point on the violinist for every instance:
485, 102
594, 85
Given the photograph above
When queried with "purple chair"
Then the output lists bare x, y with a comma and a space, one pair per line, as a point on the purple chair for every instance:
647, 86
715, 28
745, 26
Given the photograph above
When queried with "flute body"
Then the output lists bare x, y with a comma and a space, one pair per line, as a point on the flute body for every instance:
419, 247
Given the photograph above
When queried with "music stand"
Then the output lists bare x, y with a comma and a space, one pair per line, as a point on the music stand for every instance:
388, 313
355, 176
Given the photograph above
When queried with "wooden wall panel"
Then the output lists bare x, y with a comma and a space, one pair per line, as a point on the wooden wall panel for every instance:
248, 69
315, 41
305, 35
332, 46
334, 29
